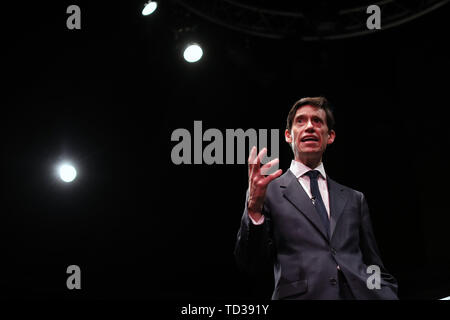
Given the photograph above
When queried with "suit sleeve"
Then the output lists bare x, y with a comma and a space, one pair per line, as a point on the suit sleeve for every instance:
370, 252
254, 244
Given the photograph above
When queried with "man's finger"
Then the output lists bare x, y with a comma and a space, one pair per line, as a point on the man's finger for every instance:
251, 161
265, 168
261, 155
251, 157
273, 176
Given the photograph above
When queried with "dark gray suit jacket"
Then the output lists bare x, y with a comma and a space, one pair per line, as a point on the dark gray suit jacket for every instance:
305, 259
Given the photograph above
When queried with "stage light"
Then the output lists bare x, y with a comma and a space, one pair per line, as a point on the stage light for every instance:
67, 172
149, 8
193, 53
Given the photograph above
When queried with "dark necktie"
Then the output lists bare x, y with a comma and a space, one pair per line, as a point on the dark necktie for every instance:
317, 198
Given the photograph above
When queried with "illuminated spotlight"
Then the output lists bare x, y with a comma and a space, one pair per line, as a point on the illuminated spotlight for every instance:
67, 172
149, 8
193, 53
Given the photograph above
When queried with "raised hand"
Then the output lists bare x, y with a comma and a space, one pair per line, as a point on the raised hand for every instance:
258, 181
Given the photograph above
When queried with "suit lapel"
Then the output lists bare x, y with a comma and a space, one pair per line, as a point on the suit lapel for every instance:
296, 195
337, 203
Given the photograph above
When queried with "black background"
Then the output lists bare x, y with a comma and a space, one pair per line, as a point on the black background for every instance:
108, 98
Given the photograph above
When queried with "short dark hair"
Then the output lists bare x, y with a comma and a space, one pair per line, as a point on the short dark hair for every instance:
319, 102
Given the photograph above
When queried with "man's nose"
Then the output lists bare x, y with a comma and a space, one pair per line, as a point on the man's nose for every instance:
309, 126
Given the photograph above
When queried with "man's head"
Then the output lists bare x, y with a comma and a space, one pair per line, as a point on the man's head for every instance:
309, 129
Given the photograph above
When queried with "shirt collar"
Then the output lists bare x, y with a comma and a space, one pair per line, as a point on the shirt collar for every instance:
299, 169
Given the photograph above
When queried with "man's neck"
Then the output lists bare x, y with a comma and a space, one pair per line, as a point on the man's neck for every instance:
310, 162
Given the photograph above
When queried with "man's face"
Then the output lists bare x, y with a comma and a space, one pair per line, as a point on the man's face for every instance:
309, 134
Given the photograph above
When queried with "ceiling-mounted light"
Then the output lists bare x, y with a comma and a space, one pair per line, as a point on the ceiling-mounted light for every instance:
67, 172
149, 8
193, 53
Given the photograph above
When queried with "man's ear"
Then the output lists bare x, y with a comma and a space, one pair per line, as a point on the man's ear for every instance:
287, 136
331, 136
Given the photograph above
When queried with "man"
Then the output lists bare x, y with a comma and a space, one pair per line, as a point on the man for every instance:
316, 232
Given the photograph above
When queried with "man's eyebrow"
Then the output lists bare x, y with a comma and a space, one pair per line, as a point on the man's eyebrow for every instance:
304, 115
314, 116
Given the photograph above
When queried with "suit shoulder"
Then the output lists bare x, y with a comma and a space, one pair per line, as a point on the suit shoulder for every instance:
346, 188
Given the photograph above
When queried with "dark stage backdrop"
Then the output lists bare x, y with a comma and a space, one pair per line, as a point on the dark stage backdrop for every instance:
109, 96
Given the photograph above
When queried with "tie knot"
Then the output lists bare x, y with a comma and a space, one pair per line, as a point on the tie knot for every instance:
313, 174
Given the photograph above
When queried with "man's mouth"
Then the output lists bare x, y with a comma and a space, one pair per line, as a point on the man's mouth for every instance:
309, 139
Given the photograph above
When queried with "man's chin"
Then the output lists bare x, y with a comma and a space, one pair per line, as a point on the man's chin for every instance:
309, 154
311, 151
